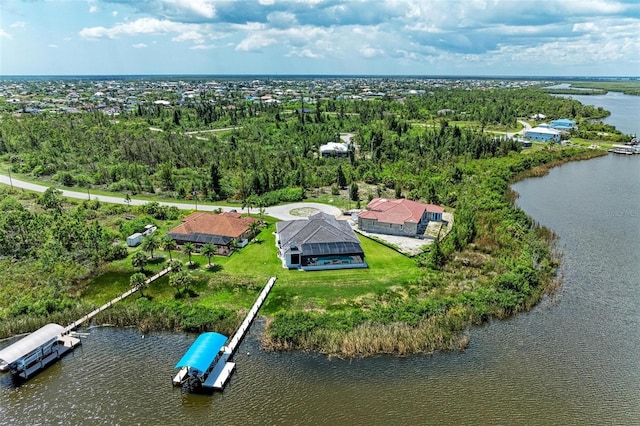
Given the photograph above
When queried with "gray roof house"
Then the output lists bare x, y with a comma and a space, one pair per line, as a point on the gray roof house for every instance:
319, 242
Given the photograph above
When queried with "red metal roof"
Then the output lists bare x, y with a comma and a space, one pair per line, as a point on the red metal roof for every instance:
397, 211
226, 224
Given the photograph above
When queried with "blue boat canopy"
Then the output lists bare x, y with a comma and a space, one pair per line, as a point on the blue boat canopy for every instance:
202, 352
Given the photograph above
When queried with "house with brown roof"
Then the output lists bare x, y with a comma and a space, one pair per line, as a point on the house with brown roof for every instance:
401, 217
221, 229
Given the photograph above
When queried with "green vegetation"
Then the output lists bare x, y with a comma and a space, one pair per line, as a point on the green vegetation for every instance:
629, 87
60, 258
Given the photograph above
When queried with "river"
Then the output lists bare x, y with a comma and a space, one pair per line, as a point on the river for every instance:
625, 108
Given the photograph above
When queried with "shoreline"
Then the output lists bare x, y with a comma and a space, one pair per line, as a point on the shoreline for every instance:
448, 331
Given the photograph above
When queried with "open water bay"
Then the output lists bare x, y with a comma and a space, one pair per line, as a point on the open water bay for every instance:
574, 359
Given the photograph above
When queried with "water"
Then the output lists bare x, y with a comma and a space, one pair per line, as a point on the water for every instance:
625, 109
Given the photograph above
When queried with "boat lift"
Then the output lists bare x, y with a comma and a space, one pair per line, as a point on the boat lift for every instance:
206, 363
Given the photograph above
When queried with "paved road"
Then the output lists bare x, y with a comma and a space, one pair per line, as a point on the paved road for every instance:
284, 212
526, 127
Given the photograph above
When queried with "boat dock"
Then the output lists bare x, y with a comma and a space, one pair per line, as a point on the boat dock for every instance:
48, 344
112, 302
207, 360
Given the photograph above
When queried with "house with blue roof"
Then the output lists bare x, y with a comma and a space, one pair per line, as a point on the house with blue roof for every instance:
563, 124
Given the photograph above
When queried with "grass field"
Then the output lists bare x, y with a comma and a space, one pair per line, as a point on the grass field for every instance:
235, 280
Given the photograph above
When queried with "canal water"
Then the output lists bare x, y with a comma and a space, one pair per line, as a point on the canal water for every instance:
574, 359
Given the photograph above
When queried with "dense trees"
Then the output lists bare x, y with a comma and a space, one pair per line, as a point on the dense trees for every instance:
271, 150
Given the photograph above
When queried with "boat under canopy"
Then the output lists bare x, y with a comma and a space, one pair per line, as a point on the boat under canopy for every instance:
202, 352
25, 346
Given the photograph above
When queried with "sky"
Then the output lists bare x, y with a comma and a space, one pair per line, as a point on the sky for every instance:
321, 37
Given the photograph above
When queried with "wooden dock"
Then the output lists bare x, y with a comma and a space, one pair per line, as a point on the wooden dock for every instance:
223, 368
36, 351
107, 305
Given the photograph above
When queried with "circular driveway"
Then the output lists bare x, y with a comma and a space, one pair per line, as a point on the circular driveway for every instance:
301, 210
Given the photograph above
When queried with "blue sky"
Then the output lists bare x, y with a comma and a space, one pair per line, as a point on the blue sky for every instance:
382, 37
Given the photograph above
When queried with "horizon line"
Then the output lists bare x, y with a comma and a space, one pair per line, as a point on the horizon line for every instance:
272, 75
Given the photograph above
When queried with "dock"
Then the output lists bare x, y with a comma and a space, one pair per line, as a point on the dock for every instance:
208, 361
51, 342
112, 302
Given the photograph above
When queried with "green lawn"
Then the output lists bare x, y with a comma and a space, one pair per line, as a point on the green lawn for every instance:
236, 280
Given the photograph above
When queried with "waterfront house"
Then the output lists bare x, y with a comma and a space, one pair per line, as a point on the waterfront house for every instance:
542, 134
319, 242
220, 229
563, 124
398, 217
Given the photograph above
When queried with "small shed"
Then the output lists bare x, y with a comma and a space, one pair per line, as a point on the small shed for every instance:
134, 240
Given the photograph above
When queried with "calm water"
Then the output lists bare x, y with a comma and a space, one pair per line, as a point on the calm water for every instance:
625, 109
575, 359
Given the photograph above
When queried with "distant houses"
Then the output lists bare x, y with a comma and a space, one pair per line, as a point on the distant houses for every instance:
319, 242
220, 229
401, 217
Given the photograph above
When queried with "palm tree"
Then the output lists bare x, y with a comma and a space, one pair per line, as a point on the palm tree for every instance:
150, 243
254, 229
139, 260
174, 281
169, 244
175, 265
189, 248
209, 250
138, 281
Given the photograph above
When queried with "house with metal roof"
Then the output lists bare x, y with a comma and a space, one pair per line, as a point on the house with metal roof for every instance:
542, 133
319, 242
220, 229
563, 124
334, 149
401, 217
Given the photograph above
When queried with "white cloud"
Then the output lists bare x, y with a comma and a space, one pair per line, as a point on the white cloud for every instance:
282, 19
194, 36
18, 24
54, 46
5, 34
139, 26
305, 53
202, 8
114, 13
370, 52
203, 47
139, 46
93, 7
255, 42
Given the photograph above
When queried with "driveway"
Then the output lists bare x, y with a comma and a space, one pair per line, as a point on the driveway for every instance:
283, 212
